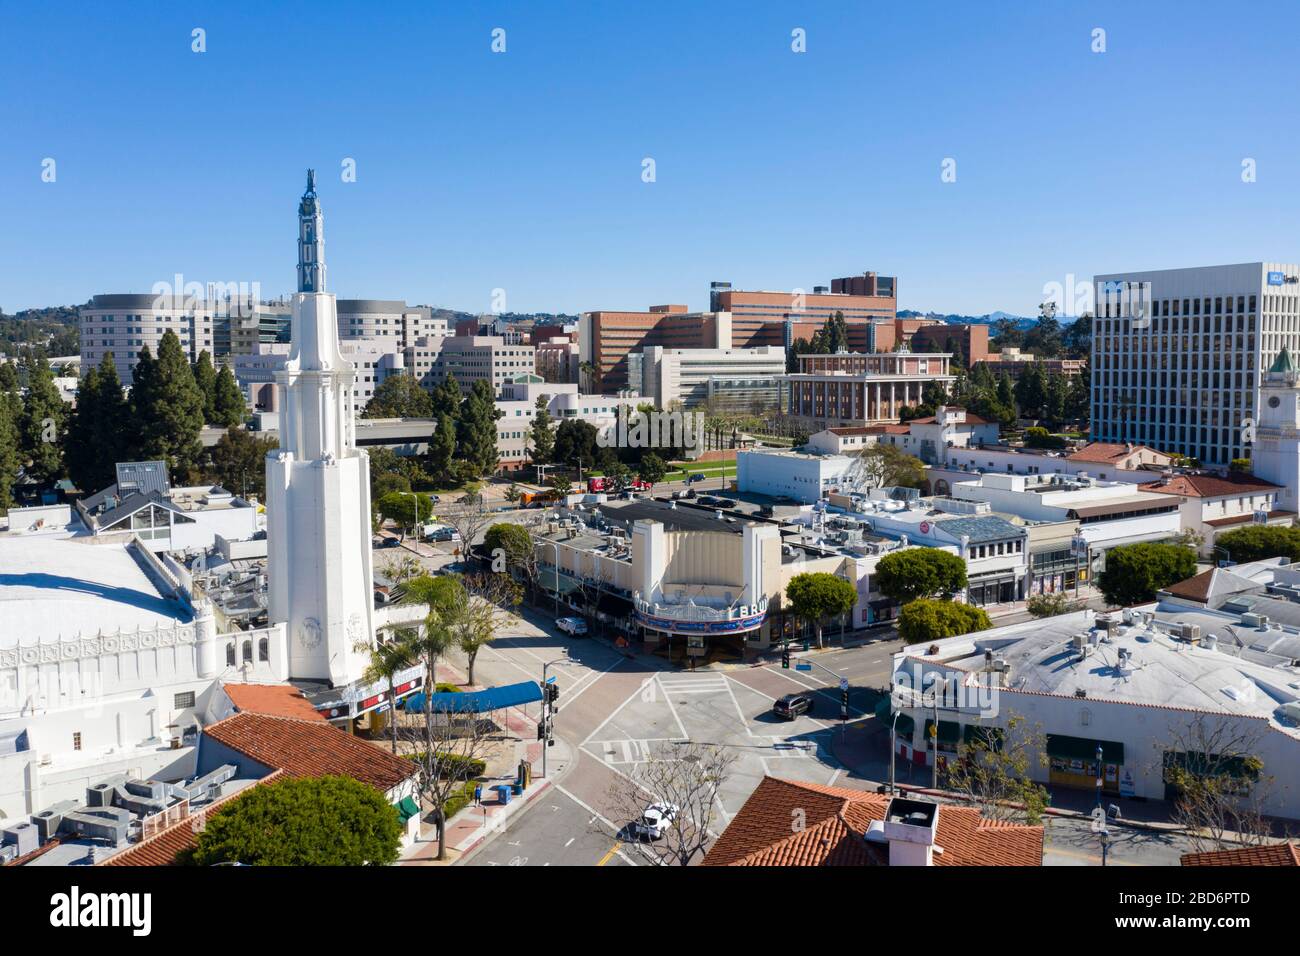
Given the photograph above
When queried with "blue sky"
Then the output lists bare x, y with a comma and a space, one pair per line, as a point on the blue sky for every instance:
522, 170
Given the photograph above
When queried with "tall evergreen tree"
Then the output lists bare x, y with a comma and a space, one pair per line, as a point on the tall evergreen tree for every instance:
228, 406
442, 450
541, 436
476, 431
1006, 392
9, 457
42, 423
239, 461
98, 435
168, 408
205, 377
447, 398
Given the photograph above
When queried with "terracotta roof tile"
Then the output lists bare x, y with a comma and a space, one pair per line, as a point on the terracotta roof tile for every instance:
834, 821
1209, 486
1277, 854
1104, 452
279, 700
1242, 519
304, 748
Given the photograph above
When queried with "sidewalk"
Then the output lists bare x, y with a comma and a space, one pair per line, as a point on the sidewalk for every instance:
471, 826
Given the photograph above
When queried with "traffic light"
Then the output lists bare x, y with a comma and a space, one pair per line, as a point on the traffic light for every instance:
541, 730
553, 692
785, 656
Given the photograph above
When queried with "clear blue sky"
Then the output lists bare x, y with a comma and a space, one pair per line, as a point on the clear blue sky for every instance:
522, 170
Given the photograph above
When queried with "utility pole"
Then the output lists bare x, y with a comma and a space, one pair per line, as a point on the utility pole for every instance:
546, 707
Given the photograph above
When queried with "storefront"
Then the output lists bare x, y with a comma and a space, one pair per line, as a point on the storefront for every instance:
1055, 570
996, 587
1072, 762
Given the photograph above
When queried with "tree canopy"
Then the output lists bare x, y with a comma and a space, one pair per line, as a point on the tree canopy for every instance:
168, 408
920, 573
1256, 542
927, 619
1135, 572
303, 821
816, 596
399, 396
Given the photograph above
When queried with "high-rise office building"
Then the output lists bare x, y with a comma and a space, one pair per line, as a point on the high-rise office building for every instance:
1177, 354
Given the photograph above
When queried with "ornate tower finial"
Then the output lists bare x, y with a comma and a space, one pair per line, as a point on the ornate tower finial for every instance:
311, 240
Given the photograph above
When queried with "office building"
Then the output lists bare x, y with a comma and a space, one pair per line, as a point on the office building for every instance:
779, 318
834, 391
606, 339
737, 379
1178, 354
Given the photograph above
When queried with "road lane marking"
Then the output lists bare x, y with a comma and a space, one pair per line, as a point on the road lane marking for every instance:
680, 725
612, 850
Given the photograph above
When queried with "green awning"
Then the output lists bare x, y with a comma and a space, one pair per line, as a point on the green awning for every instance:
885, 714
406, 808
1081, 748
949, 730
990, 738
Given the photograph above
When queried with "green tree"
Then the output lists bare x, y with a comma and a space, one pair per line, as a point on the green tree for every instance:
399, 396
447, 398
927, 619
442, 450
1239, 466
1006, 394
914, 573
1256, 542
42, 423
406, 509
1135, 572
1039, 437
888, 466
652, 469
386, 661
445, 601
303, 821
9, 456
476, 431
228, 406
817, 596
513, 540
1051, 604
575, 443
238, 462
541, 434
1031, 390
98, 428
167, 406
205, 377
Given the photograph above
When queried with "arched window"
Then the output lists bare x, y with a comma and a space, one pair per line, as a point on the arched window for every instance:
263, 649
248, 652
230, 654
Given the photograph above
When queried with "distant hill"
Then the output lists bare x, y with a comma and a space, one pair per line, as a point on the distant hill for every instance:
53, 329
954, 319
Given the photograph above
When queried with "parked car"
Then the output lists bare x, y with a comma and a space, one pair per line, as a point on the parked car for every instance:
694, 476
444, 534
655, 821
574, 626
792, 705
389, 542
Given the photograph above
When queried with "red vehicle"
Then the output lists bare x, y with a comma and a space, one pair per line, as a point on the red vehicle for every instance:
603, 484
595, 484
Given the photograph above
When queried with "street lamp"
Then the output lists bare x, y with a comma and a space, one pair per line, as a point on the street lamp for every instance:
546, 705
416, 499
1099, 778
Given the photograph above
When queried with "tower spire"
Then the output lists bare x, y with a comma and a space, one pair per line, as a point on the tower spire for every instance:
311, 240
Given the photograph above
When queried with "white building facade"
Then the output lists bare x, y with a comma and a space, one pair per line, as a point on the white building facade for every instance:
1178, 354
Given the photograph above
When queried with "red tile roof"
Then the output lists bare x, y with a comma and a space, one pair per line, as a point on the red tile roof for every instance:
279, 700
163, 848
1209, 486
1242, 519
1277, 854
1105, 453
834, 823
305, 748
971, 419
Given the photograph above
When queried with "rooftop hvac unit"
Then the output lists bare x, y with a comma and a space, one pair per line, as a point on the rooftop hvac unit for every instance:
1079, 641
1191, 633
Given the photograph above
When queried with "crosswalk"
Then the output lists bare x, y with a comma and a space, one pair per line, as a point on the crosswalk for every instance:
694, 684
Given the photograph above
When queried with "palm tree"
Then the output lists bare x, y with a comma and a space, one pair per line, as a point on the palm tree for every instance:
387, 660
589, 369
446, 600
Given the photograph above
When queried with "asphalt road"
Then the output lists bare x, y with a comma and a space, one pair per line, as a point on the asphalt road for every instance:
556, 830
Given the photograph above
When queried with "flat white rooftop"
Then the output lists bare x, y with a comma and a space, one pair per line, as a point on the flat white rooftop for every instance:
1161, 670
51, 589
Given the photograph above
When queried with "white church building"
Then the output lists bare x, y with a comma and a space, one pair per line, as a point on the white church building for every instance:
112, 659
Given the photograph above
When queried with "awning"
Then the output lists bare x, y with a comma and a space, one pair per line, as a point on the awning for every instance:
546, 580
614, 606
478, 701
1081, 748
406, 808
885, 714
949, 730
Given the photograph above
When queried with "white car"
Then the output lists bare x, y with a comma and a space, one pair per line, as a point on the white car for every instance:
655, 821
572, 625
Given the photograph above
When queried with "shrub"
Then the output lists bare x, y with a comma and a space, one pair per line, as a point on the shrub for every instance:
926, 619
1051, 604
456, 766
1135, 572
1256, 542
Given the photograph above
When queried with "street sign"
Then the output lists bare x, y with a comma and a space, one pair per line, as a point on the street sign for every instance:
844, 683
801, 666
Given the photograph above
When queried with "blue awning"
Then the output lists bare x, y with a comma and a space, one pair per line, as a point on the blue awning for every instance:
477, 701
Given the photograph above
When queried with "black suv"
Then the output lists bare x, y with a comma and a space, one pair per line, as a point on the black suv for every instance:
792, 705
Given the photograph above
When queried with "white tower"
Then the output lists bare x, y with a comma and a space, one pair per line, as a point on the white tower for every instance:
318, 485
1275, 456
